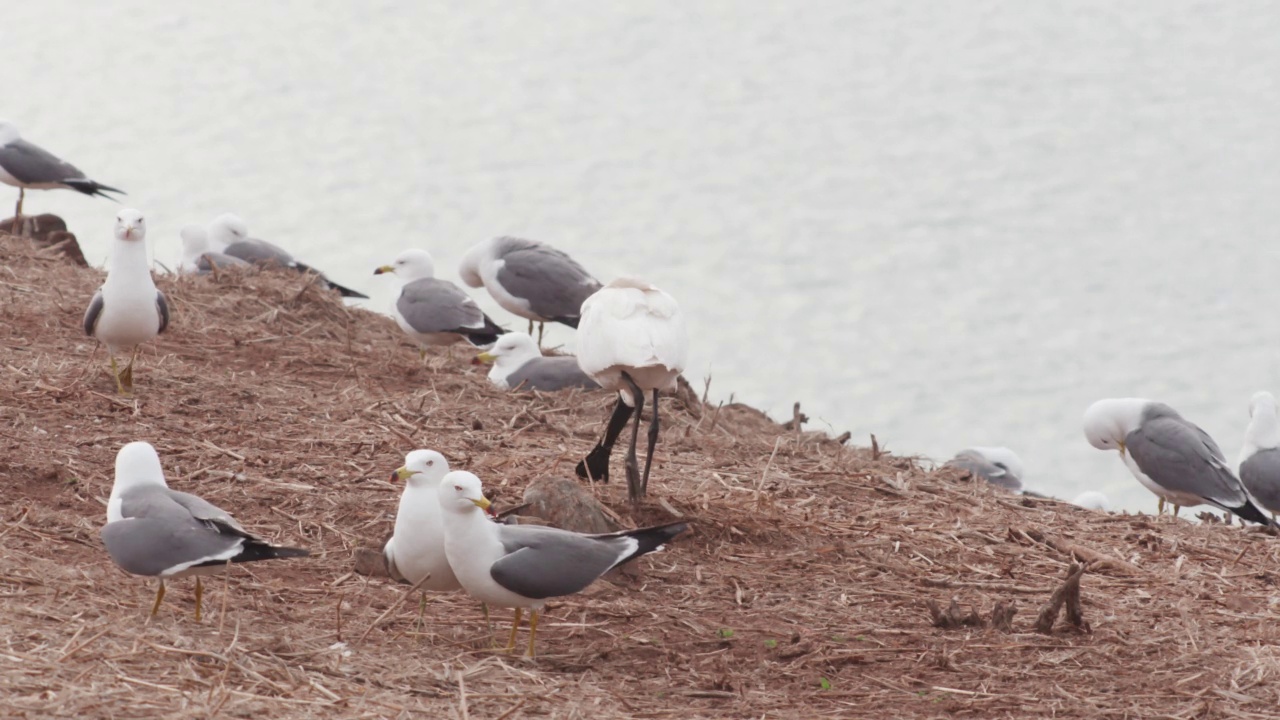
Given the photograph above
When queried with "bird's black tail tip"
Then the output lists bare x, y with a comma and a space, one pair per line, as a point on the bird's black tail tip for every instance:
89, 187
654, 538
570, 321
1250, 512
485, 339
347, 292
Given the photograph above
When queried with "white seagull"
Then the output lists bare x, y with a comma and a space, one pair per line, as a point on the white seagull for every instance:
1170, 456
518, 364
433, 311
999, 466
27, 166
523, 566
198, 256
228, 234
1260, 456
632, 339
157, 532
1092, 500
127, 310
415, 552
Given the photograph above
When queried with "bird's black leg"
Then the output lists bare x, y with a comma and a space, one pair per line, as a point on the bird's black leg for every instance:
596, 465
634, 490
653, 440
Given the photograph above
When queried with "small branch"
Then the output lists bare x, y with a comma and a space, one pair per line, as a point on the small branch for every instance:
1067, 594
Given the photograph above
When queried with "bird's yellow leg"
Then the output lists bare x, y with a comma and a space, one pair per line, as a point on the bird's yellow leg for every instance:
159, 596
515, 625
199, 597
533, 629
422, 609
541, 328
126, 375
488, 623
1160, 507
1176, 508
115, 375
530, 327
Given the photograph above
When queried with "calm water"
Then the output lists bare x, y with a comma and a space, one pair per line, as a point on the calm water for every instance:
948, 223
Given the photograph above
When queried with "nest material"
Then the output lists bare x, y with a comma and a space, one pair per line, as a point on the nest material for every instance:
802, 589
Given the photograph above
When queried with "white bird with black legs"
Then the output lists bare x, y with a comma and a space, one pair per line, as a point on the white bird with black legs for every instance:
31, 167
435, 312
415, 553
1170, 456
1260, 457
524, 566
127, 310
518, 364
229, 235
632, 339
999, 466
157, 532
530, 279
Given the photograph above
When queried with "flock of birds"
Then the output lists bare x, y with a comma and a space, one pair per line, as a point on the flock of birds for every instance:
631, 339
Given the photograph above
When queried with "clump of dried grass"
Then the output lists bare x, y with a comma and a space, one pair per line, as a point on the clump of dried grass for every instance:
803, 588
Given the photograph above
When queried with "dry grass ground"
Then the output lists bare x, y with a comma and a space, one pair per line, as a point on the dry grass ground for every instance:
801, 592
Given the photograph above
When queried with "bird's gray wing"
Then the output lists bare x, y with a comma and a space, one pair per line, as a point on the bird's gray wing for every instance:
159, 534
210, 260
260, 252
543, 562
32, 164
549, 374
205, 511
162, 306
91, 315
1260, 474
979, 466
1180, 457
553, 283
431, 305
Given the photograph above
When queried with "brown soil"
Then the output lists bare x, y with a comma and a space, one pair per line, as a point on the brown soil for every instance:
802, 591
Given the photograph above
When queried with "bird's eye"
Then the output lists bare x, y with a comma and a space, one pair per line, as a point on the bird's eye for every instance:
458, 488
430, 463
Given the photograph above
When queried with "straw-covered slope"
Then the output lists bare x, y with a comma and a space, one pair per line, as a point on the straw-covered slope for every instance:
802, 590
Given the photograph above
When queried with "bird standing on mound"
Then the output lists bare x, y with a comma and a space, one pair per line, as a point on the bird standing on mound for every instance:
523, 566
518, 364
1170, 456
127, 310
1260, 456
435, 312
415, 552
25, 165
530, 279
157, 532
228, 234
632, 339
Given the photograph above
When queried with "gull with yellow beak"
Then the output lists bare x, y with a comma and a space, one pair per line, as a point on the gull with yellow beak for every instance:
415, 552
433, 311
518, 364
523, 566
127, 310
1170, 456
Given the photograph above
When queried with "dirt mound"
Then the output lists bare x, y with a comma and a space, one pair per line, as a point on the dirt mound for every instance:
818, 579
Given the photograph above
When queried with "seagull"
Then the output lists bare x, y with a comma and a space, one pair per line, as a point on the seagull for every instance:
633, 340
127, 310
999, 466
1092, 500
415, 552
1170, 456
518, 364
157, 532
530, 279
198, 258
436, 312
522, 566
24, 166
1260, 456
229, 235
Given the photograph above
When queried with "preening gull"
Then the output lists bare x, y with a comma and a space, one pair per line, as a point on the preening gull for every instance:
522, 566
228, 234
999, 466
157, 532
432, 311
530, 279
518, 364
197, 255
128, 309
416, 548
27, 166
1092, 500
633, 340
1260, 456
1170, 456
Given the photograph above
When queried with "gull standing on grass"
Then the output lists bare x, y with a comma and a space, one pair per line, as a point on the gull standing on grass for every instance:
228, 234
1260, 456
518, 364
523, 566
633, 340
157, 532
432, 311
197, 255
415, 552
1170, 456
27, 166
530, 279
127, 310
999, 466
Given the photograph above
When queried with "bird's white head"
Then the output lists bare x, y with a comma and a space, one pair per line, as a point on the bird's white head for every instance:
423, 469
1108, 422
130, 225
511, 351
1004, 458
469, 268
410, 265
460, 492
138, 464
1092, 500
226, 229
1263, 432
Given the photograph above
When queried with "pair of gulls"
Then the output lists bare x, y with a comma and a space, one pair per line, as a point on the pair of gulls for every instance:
1002, 467
30, 167
443, 539
1182, 465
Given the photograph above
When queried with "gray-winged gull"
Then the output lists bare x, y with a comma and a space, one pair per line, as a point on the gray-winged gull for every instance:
530, 279
157, 532
127, 310
518, 364
1170, 456
632, 339
27, 166
522, 566
1260, 456
228, 234
999, 466
197, 255
433, 311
